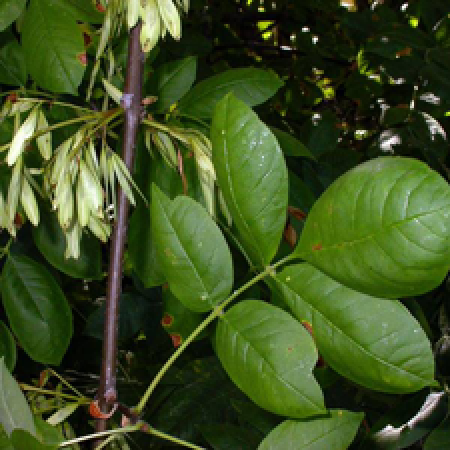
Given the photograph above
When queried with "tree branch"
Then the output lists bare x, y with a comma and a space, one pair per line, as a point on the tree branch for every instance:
107, 392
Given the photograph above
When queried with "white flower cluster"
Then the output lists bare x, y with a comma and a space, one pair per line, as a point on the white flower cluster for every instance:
81, 187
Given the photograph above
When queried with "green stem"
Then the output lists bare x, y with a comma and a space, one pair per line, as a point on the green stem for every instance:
81, 400
218, 310
65, 382
101, 434
64, 124
55, 102
170, 438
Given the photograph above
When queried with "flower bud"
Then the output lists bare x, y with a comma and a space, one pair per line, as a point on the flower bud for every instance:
64, 202
29, 202
14, 191
99, 228
92, 190
132, 13
73, 239
151, 25
83, 207
170, 17
44, 142
24, 133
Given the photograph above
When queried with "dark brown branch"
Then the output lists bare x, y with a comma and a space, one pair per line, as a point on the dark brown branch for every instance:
107, 392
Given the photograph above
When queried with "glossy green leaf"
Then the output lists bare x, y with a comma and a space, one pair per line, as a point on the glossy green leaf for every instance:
336, 432
46, 433
50, 30
37, 309
51, 242
270, 357
290, 145
439, 438
142, 249
82, 10
14, 409
5, 441
10, 10
7, 347
252, 175
252, 86
171, 81
13, 70
177, 320
193, 253
22, 439
372, 341
382, 228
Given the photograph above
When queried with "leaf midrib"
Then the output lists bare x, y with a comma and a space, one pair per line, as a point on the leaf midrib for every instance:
277, 376
169, 222
378, 233
46, 30
341, 332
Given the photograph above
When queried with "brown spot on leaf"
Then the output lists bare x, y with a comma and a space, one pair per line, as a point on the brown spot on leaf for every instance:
12, 97
43, 377
404, 52
289, 349
290, 235
167, 320
176, 339
87, 39
82, 57
296, 212
317, 247
100, 7
308, 327
18, 220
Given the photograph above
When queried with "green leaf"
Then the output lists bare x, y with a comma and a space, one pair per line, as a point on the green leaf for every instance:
82, 10
193, 253
13, 70
336, 432
372, 341
50, 30
14, 409
252, 86
252, 175
7, 347
10, 10
47, 433
51, 242
142, 249
439, 438
5, 442
382, 228
171, 81
270, 357
290, 145
178, 321
37, 309
21, 439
